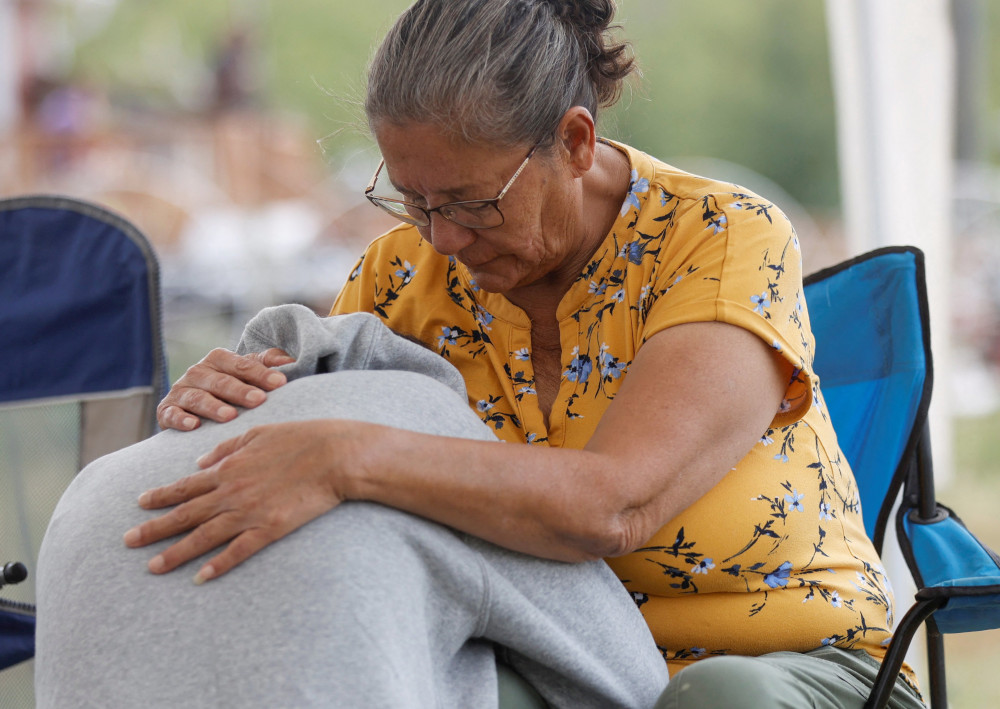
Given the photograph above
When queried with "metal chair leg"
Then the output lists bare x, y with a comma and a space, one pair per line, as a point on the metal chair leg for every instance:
893, 660
938, 690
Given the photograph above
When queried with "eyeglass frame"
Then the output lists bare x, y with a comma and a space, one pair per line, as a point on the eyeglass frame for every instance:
377, 201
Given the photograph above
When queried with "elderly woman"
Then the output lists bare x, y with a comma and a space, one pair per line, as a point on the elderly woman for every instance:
635, 334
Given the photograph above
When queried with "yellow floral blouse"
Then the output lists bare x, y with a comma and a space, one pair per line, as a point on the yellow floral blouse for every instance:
775, 557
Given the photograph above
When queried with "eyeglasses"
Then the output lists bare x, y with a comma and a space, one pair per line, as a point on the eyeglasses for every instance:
473, 214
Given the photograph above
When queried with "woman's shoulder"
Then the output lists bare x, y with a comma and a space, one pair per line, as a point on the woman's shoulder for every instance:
676, 192
678, 183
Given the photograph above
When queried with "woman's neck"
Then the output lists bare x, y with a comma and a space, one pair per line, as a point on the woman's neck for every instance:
603, 191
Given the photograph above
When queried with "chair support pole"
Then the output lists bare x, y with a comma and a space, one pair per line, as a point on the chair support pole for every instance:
925, 473
938, 690
893, 660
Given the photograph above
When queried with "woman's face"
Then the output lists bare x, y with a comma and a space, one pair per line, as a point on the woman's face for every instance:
538, 239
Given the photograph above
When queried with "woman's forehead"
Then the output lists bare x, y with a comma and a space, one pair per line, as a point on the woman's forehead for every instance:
420, 156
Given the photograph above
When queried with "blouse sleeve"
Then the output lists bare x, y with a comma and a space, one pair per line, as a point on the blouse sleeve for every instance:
734, 258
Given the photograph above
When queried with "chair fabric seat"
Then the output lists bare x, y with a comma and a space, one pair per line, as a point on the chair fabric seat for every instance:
17, 631
954, 564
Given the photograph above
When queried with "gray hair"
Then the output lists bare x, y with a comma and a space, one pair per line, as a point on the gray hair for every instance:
497, 71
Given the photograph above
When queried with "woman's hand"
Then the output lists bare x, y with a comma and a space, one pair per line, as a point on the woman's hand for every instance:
252, 490
223, 379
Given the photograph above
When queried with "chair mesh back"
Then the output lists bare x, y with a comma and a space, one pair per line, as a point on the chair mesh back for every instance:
873, 360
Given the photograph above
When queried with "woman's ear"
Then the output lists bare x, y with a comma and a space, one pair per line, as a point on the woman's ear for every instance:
578, 138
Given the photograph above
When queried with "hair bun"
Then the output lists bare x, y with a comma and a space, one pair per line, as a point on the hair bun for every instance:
585, 15
608, 61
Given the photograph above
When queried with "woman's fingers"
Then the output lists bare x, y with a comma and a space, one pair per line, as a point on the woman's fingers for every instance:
236, 552
219, 452
275, 357
193, 509
223, 380
175, 417
182, 490
239, 499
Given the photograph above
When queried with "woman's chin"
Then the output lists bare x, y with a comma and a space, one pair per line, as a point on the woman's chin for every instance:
492, 277
492, 282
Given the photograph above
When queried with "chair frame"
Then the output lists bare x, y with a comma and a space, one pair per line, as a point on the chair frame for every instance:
913, 484
103, 436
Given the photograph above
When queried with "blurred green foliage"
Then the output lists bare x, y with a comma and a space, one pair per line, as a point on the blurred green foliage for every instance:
747, 82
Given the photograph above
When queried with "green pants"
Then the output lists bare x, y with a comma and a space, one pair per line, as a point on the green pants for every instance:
826, 678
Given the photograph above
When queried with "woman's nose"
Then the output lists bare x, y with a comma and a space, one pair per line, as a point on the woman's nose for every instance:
447, 237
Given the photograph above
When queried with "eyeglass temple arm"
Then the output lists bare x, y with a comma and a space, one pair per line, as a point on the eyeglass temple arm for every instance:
371, 183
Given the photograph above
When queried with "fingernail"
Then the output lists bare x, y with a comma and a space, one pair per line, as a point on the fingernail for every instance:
226, 412
203, 575
131, 536
255, 397
144, 498
156, 564
189, 422
275, 378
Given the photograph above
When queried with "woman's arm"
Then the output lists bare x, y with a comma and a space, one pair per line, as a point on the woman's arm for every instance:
697, 398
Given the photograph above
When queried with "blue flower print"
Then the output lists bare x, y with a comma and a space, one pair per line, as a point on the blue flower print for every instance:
779, 577
611, 368
597, 288
407, 272
766, 440
703, 566
824, 511
522, 354
633, 250
717, 225
776, 346
484, 317
794, 501
835, 600
530, 438
526, 390
449, 337
579, 367
782, 457
619, 295
636, 187
760, 302
483, 405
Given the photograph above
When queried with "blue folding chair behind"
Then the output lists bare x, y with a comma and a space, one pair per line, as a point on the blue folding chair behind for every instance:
873, 357
81, 371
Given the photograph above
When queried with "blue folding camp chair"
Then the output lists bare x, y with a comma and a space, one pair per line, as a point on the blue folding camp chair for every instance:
82, 368
873, 357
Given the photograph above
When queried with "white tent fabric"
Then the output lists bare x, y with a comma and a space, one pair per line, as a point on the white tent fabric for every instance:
894, 80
